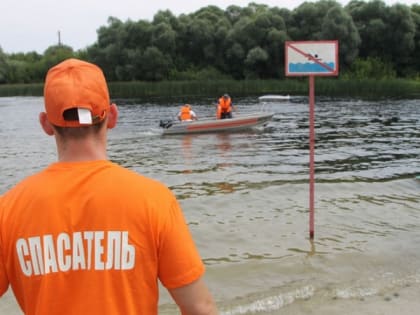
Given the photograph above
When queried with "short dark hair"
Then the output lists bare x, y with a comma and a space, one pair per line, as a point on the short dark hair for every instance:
77, 132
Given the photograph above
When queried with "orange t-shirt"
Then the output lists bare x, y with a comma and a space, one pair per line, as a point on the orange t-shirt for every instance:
93, 238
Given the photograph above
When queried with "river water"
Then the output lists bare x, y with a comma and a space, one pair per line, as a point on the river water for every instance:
245, 197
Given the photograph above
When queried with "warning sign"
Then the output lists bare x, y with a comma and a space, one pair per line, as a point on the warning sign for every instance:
305, 58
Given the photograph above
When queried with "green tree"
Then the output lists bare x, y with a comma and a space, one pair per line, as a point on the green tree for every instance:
167, 17
109, 52
243, 32
371, 67
399, 37
3, 67
56, 54
199, 37
164, 38
415, 60
387, 33
23, 68
275, 48
256, 62
138, 34
235, 56
233, 13
155, 66
273, 43
338, 25
239, 42
370, 21
308, 19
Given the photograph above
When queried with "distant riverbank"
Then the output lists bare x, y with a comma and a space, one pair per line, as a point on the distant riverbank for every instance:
333, 87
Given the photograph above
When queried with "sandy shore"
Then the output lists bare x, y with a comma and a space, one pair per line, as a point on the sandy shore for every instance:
404, 302
8, 304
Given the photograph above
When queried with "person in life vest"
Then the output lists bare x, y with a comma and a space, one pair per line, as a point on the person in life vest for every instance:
186, 113
86, 235
224, 107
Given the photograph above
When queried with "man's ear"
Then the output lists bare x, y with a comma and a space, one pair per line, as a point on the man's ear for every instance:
112, 116
45, 124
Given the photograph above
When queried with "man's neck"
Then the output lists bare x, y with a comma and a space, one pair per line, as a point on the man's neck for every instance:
87, 149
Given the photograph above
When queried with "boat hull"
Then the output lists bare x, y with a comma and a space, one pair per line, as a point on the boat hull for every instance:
219, 125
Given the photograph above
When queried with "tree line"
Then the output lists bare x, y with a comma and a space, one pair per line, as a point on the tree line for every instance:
375, 41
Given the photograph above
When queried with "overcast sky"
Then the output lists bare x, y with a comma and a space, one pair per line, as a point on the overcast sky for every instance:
28, 25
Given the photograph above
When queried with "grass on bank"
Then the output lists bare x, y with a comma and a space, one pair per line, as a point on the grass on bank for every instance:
333, 87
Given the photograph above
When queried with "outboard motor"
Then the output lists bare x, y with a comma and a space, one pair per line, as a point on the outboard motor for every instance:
165, 123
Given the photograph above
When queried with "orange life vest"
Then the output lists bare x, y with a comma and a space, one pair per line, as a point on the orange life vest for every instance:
186, 113
225, 105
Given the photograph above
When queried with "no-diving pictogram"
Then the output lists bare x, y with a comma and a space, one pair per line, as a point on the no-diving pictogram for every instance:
305, 58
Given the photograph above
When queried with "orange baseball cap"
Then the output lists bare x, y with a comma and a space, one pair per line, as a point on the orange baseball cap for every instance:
76, 84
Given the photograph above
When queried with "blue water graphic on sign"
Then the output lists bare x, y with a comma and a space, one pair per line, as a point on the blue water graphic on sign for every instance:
310, 67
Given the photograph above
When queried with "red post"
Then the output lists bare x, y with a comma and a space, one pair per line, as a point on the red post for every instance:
311, 155
302, 52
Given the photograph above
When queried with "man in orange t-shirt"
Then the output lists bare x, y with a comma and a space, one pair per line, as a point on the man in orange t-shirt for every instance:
86, 236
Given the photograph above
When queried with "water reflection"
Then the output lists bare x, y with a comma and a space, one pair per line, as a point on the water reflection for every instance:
200, 149
224, 142
187, 153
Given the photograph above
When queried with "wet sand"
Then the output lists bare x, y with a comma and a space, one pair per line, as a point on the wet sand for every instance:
404, 302
8, 304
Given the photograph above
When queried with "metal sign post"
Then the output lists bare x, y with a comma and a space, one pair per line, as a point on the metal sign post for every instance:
311, 156
311, 58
